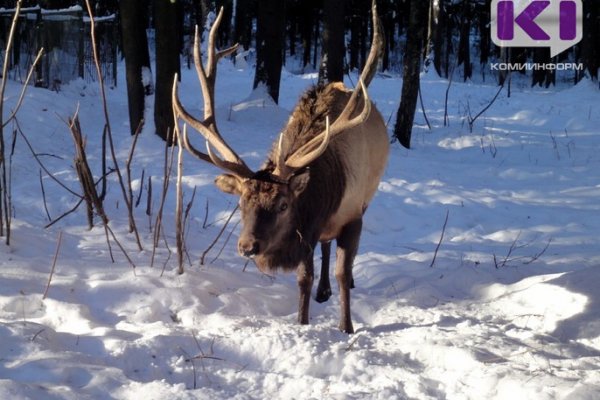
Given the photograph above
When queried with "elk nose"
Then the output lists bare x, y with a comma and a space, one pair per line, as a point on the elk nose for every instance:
248, 248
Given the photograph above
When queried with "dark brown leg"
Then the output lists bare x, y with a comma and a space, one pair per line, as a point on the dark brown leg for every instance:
324, 288
305, 282
347, 245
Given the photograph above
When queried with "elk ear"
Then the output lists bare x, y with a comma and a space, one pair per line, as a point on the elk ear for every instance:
299, 182
228, 183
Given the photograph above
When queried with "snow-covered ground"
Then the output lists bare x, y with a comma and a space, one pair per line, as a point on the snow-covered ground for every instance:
509, 309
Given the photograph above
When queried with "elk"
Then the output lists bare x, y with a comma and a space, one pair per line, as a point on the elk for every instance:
316, 183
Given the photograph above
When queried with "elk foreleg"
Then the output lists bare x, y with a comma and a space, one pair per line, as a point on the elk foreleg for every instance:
324, 288
347, 246
305, 282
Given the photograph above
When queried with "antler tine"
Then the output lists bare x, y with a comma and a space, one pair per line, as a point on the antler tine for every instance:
308, 153
377, 45
208, 127
179, 111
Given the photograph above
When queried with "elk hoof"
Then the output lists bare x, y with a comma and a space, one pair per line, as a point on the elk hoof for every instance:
346, 327
323, 295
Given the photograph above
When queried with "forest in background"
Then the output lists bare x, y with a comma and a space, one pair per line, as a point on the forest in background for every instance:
328, 36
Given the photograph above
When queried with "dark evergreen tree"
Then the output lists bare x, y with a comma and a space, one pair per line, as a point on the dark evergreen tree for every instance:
464, 43
442, 38
590, 44
135, 50
542, 77
412, 67
269, 45
483, 17
245, 12
386, 14
225, 30
167, 24
359, 32
333, 46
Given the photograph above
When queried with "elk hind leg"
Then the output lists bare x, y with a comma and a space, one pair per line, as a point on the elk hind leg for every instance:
347, 246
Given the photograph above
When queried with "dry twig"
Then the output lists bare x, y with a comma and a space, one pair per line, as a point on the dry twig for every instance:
218, 235
437, 248
58, 242
107, 125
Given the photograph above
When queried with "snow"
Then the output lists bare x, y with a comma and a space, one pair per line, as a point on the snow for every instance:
509, 309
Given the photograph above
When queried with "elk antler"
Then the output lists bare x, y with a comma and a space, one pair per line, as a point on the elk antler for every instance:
308, 153
317, 145
228, 160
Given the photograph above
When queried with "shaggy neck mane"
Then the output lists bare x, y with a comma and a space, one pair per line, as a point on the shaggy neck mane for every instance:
309, 116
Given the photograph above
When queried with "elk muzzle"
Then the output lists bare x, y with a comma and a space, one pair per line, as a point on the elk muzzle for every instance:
248, 247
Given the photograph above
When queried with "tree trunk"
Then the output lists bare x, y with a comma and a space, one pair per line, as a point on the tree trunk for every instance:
333, 49
590, 46
244, 15
200, 11
464, 43
224, 34
387, 20
539, 76
306, 21
412, 68
484, 32
359, 32
135, 50
269, 40
167, 23
439, 36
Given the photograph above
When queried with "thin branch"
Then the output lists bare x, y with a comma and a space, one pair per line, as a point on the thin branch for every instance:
186, 216
107, 227
149, 202
107, 119
53, 265
204, 222
218, 236
168, 167
44, 167
24, 88
473, 119
225, 242
423, 109
139, 196
5, 206
44, 197
538, 255
179, 198
72, 210
437, 248
132, 225
7, 54
512, 248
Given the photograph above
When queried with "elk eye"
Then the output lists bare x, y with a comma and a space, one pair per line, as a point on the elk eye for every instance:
283, 207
